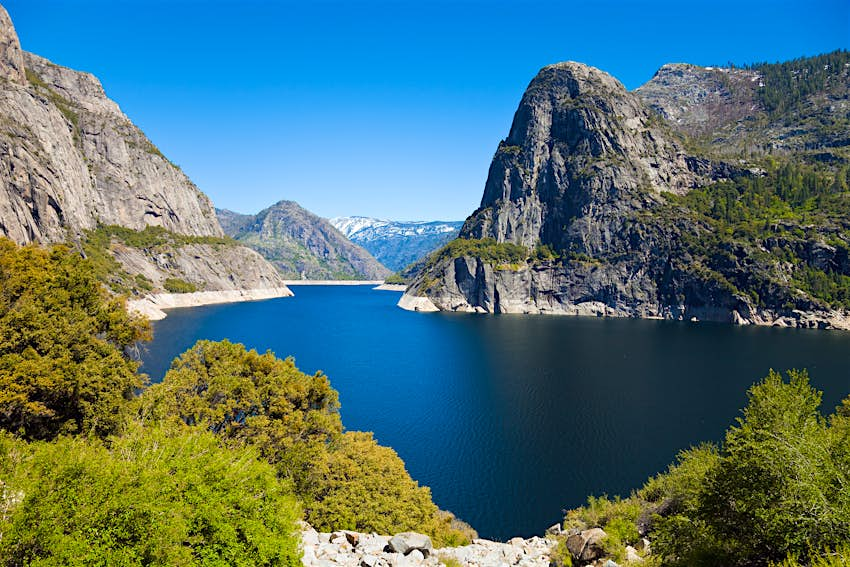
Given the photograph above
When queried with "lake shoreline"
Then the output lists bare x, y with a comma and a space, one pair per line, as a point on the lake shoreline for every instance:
153, 306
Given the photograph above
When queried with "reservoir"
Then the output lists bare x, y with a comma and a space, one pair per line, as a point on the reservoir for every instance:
512, 418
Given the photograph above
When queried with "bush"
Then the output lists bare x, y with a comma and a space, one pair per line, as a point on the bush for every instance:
364, 487
63, 344
345, 481
395, 279
175, 285
777, 486
486, 249
251, 398
155, 497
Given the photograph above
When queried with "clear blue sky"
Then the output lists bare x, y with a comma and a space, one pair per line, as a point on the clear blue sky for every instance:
381, 108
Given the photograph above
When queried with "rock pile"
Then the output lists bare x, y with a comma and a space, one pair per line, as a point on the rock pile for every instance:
353, 549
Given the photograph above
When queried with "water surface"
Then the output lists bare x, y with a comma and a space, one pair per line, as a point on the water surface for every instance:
510, 419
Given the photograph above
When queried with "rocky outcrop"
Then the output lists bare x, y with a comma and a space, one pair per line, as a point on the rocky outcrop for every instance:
702, 101
302, 245
587, 185
352, 549
11, 56
581, 154
70, 160
208, 267
588, 545
797, 106
583, 157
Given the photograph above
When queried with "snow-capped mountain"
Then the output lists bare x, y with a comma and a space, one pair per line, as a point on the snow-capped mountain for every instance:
397, 244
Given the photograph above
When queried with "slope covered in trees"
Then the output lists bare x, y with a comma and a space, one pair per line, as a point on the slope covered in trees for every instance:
210, 467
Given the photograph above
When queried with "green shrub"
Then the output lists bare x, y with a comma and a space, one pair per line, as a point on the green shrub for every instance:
395, 279
363, 486
154, 497
63, 344
486, 249
346, 481
777, 488
143, 282
176, 285
251, 398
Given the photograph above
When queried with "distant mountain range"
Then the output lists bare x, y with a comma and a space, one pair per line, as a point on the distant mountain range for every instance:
301, 245
397, 244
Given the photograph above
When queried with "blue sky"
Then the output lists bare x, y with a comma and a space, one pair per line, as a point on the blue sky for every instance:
382, 108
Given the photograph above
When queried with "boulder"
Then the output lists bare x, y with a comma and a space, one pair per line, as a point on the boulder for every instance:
587, 545
406, 542
554, 529
310, 537
632, 555
352, 537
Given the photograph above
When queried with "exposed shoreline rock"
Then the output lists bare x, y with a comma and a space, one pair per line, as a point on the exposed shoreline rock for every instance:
391, 287
470, 285
353, 549
153, 306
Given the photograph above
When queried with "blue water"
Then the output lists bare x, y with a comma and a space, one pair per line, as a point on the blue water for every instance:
510, 419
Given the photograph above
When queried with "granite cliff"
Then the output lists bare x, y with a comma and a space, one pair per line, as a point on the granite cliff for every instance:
71, 162
302, 245
603, 201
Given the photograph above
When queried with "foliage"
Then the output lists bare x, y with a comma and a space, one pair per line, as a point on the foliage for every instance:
63, 345
771, 224
251, 398
176, 285
345, 481
776, 489
395, 279
560, 555
618, 517
787, 84
154, 497
838, 558
151, 237
486, 249
98, 243
364, 486
544, 253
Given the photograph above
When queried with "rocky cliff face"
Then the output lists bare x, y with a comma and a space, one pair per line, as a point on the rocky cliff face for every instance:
302, 245
581, 151
70, 160
584, 212
582, 157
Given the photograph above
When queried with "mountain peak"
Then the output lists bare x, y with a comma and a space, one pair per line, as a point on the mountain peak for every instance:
11, 56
